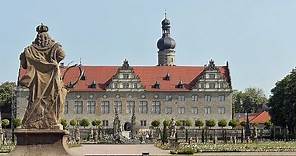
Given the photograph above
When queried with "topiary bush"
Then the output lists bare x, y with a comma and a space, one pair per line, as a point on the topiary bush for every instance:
96, 123
64, 123
73, 122
166, 123
5, 123
84, 123
243, 123
155, 123
188, 123
233, 123
198, 123
210, 123
222, 123
179, 123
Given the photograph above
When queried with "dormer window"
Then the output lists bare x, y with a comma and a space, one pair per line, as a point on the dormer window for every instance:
180, 84
167, 77
156, 85
83, 77
93, 85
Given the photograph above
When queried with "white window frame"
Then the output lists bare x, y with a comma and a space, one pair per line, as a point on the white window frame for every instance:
91, 107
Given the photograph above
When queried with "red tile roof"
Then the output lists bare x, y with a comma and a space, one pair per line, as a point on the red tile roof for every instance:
259, 118
148, 75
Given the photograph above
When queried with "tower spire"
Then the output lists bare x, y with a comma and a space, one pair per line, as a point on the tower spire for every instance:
166, 45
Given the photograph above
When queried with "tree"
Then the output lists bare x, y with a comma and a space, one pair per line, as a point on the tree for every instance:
179, 123
283, 102
165, 122
188, 123
5, 123
6, 95
84, 123
155, 123
210, 123
164, 137
16, 122
96, 123
222, 123
268, 124
73, 122
243, 123
199, 123
64, 123
250, 100
233, 123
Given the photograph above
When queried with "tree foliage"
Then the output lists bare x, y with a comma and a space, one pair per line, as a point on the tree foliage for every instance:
243, 123
210, 123
155, 123
73, 122
84, 123
5, 123
222, 123
6, 93
188, 123
179, 123
17, 122
283, 102
96, 123
64, 123
249, 100
233, 123
165, 122
198, 123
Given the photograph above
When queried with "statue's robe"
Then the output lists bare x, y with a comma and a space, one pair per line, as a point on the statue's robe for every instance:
47, 92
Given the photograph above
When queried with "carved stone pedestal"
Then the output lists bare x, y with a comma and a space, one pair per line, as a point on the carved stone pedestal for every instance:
41, 142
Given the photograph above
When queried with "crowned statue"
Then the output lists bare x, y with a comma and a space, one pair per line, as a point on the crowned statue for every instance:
47, 92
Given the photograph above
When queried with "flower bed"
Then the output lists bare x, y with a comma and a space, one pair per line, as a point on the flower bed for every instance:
251, 147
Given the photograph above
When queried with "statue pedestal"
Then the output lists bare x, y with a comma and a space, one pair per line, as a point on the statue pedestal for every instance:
40, 142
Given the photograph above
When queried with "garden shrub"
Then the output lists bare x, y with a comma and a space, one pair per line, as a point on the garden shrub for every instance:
199, 123
155, 123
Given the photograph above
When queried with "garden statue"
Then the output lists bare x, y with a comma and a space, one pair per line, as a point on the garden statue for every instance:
91, 134
133, 124
116, 123
77, 134
173, 128
47, 92
46, 89
255, 132
40, 73
96, 135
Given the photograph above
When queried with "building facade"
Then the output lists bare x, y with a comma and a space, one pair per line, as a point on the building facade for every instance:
158, 92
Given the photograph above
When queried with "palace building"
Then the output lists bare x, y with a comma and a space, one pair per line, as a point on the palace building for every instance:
157, 92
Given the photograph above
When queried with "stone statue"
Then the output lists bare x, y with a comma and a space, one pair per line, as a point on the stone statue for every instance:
133, 123
116, 123
77, 134
96, 135
173, 128
91, 134
46, 89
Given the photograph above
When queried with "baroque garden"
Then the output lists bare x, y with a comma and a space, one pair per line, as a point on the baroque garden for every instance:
184, 109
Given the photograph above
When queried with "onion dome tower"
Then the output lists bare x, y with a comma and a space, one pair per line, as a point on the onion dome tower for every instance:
166, 45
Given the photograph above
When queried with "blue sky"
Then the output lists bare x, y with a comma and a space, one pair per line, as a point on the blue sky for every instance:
257, 37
